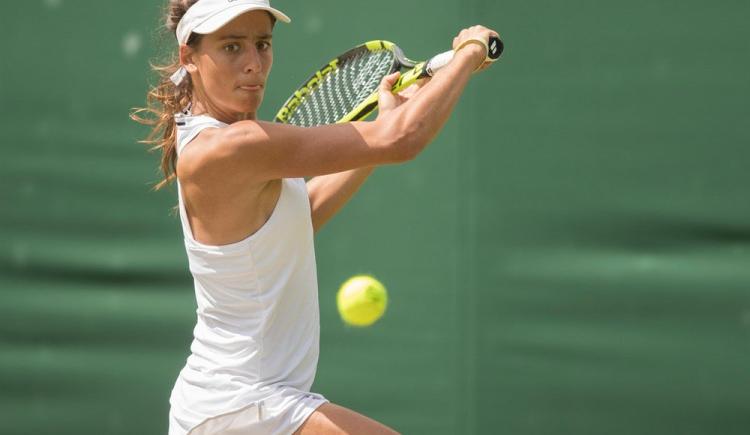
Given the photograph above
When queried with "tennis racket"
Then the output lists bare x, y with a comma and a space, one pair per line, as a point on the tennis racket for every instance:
346, 88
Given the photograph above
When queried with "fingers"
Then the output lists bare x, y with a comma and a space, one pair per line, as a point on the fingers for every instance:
409, 92
478, 32
387, 100
386, 85
474, 32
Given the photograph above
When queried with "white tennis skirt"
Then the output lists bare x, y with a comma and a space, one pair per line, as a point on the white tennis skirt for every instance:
276, 415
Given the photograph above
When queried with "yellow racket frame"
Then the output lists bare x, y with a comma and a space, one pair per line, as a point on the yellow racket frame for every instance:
366, 107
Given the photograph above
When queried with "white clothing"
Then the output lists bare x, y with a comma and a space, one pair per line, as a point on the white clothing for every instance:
255, 349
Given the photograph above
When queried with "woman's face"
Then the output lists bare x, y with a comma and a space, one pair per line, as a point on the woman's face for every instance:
231, 65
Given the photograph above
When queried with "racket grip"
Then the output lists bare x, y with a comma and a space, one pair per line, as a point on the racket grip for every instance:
438, 62
495, 48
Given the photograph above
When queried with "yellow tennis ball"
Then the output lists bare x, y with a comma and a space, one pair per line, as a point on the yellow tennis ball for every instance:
361, 300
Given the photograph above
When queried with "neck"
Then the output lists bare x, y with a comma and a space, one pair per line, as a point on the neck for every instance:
227, 117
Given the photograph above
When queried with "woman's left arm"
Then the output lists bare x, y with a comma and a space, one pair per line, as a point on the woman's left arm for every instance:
329, 193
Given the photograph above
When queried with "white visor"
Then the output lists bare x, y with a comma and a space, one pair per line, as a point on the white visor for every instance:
208, 16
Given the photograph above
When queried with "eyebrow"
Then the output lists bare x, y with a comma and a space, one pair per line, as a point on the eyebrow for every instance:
260, 36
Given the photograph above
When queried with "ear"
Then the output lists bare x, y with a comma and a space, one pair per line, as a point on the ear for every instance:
187, 55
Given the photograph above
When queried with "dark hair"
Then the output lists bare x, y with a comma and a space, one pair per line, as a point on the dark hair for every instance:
165, 99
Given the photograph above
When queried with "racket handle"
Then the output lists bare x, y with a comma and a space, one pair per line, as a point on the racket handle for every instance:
495, 48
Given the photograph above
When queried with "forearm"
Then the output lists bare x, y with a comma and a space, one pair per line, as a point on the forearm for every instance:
415, 123
329, 193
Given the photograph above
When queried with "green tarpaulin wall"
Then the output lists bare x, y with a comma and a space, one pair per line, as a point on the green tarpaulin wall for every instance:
570, 256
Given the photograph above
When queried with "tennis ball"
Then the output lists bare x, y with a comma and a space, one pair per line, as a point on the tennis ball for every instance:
361, 300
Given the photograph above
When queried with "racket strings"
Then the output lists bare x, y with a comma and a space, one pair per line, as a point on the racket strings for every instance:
355, 79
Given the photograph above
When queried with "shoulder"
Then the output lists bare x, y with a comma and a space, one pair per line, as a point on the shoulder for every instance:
214, 150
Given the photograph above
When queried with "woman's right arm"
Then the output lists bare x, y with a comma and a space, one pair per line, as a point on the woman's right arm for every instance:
257, 151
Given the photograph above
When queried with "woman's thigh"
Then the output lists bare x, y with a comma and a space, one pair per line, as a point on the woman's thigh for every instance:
332, 419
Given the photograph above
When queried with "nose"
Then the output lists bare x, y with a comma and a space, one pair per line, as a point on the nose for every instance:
252, 61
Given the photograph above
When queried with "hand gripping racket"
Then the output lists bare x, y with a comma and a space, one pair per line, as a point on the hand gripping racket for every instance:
346, 88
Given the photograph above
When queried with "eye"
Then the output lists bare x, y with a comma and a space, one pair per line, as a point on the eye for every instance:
264, 45
232, 48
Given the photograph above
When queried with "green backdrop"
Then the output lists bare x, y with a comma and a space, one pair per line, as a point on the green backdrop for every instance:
570, 256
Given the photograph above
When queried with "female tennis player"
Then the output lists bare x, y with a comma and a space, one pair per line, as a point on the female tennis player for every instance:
248, 216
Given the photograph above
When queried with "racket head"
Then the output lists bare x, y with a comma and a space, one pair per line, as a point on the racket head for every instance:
344, 89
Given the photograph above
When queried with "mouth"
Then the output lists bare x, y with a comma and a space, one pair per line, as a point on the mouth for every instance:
251, 87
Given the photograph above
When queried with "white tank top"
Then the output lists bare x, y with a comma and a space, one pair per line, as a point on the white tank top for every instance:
258, 325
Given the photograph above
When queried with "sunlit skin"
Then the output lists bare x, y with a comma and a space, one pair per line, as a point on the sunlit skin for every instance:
231, 177
229, 68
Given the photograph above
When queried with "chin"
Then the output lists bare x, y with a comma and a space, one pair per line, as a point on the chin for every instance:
249, 105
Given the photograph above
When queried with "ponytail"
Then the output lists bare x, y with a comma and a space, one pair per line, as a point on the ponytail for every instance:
165, 99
